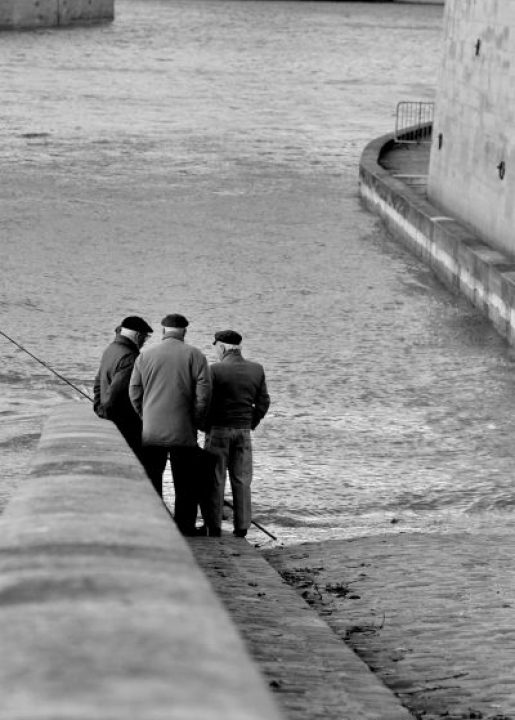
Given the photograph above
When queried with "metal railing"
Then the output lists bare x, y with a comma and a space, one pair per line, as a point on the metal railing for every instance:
413, 121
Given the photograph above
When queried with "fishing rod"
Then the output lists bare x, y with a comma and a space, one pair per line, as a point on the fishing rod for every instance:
226, 502
45, 365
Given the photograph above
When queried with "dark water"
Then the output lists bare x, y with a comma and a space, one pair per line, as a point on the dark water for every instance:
201, 157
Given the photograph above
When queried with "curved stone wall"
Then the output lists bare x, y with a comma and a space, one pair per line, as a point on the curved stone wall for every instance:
461, 260
104, 612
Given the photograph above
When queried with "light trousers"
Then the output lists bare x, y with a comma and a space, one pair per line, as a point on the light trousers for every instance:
233, 446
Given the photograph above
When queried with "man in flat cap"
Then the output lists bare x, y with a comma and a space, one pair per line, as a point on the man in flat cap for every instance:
239, 403
170, 389
111, 387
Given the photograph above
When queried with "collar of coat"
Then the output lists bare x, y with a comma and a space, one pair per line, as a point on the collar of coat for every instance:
123, 340
232, 355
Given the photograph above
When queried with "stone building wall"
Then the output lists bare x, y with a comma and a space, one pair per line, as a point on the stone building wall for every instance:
15, 14
472, 167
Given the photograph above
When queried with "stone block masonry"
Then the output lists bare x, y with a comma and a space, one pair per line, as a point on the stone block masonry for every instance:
472, 169
26, 14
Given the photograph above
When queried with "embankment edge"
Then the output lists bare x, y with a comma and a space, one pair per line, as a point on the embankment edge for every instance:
463, 261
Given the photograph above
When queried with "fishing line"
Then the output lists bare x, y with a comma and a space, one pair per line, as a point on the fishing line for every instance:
226, 502
45, 365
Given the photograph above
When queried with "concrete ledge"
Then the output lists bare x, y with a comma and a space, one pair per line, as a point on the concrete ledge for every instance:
459, 258
104, 612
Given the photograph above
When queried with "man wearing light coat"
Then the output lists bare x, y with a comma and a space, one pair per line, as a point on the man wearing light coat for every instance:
170, 389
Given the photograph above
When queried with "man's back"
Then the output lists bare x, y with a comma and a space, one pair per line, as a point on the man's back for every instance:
112, 380
171, 388
240, 401
240, 396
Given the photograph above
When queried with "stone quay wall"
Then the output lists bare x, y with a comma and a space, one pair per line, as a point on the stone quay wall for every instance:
24, 14
460, 258
104, 612
472, 164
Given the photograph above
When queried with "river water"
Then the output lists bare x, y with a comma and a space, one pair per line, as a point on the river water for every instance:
202, 157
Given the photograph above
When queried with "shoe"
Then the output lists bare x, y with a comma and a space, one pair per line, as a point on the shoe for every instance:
194, 532
240, 533
214, 532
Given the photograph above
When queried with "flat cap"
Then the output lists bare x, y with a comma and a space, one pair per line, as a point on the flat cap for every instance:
227, 336
133, 322
175, 321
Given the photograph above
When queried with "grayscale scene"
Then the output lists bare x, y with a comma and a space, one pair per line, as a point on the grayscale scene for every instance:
258, 310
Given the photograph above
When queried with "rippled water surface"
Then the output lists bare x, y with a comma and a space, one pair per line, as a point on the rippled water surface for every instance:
202, 157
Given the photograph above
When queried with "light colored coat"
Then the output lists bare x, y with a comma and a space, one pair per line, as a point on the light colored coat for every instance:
170, 389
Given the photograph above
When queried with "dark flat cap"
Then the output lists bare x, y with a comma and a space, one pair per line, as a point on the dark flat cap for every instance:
227, 336
175, 321
133, 322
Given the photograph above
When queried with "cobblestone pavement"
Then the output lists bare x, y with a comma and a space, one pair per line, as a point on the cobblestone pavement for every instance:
433, 615
313, 674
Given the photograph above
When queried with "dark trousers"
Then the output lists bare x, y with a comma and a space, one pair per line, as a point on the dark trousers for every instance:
131, 431
193, 472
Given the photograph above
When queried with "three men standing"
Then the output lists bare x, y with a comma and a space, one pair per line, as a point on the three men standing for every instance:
161, 398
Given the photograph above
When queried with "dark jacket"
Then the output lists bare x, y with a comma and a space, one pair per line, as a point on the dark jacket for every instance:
240, 396
111, 389
170, 389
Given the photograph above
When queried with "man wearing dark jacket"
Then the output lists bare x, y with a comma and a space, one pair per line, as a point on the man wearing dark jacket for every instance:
240, 400
111, 389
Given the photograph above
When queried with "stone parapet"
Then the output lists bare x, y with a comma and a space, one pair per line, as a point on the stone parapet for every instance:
463, 261
21, 14
104, 612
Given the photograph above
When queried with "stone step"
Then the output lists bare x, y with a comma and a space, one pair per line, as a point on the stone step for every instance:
311, 671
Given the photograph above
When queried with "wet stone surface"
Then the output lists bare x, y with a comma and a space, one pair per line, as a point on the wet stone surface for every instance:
432, 615
311, 672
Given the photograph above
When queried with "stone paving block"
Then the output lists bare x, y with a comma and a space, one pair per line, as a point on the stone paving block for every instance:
312, 672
